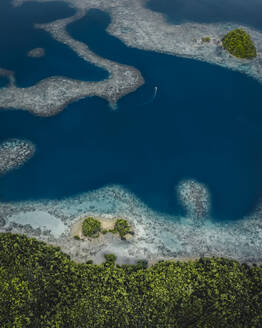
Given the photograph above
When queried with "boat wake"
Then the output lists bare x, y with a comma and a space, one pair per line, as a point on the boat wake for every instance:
156, 89
152, 99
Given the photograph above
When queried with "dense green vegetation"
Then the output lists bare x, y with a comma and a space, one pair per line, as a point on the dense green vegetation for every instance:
91, 227
41, 287
122, 227
239, 44
110, 258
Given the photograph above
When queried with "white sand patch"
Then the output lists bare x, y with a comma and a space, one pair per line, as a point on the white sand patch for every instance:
39, 219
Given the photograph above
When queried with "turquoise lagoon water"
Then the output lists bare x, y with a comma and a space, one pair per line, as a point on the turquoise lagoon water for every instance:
204, 123
18, 36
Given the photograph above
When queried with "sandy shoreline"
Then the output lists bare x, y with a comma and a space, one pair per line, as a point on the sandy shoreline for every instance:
157, 235
76, 228
106, 224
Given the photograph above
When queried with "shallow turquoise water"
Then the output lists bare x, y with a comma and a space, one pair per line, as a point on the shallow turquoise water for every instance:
204, 123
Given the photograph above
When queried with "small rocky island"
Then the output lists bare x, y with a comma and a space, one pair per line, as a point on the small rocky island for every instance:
14, 153
36, 53
91, 227
238, 42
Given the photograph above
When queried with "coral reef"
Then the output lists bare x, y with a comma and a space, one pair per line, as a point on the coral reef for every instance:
194, 197
36, 53
157, 235
138, 27
14, 153
51, 95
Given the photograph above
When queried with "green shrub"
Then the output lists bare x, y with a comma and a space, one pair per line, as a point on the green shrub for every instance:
111, 258
206, 39
142, 264
76, 237
239, 44
104, 231
122, 227
91, 227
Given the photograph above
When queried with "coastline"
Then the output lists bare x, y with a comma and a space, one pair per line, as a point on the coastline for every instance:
50, 96
138, 27
157, 235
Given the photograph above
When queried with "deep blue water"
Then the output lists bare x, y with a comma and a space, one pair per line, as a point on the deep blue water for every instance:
18, 36
205, 123
3, 81
211, 11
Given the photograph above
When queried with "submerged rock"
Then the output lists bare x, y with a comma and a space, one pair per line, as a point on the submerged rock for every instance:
36, 53
194, 197
14, 153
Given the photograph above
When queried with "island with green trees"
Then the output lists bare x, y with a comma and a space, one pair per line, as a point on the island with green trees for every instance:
238, 42
42, 287
91, 227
